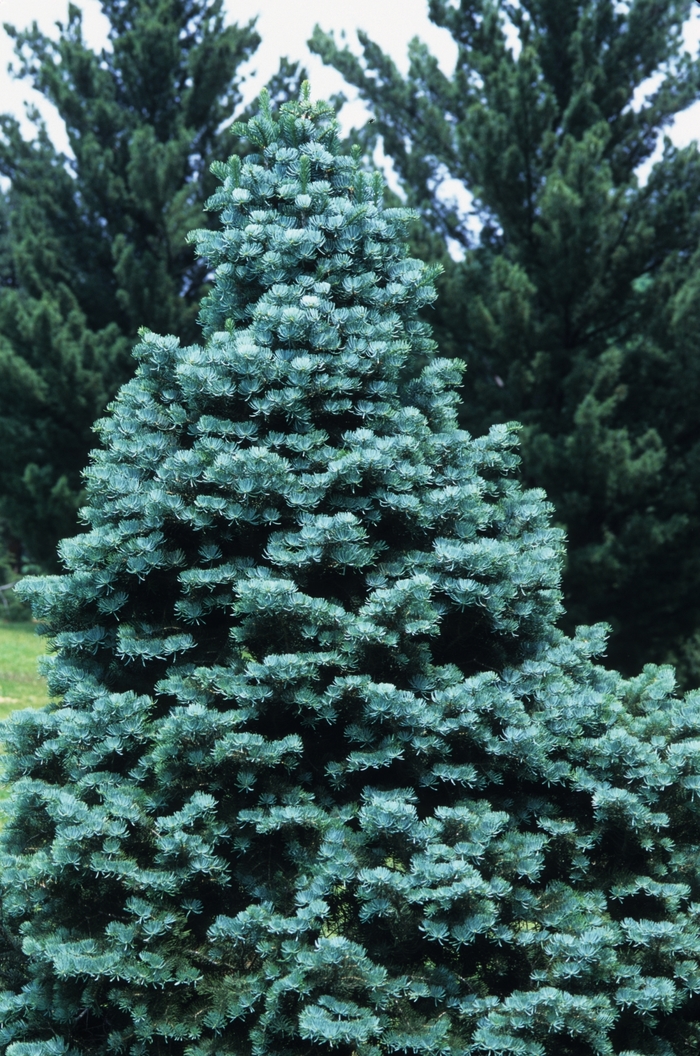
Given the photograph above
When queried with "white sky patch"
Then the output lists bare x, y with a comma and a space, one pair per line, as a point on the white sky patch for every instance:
15, 93
386, 164
686, 126
285, 27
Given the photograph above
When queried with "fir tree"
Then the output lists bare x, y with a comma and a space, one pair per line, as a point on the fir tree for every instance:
574, 308
321, 772
97, 243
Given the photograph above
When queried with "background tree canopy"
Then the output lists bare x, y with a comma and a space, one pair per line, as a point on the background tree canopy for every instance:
92, 247
576, 309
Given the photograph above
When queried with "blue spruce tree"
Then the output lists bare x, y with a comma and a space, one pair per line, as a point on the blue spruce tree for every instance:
321, 773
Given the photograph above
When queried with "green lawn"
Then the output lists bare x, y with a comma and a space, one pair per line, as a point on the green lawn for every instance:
21, 686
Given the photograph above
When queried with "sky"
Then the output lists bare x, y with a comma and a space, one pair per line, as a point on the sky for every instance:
285, 26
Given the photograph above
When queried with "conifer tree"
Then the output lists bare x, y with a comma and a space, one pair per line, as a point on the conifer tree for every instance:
97, 242
320, 772
573, 309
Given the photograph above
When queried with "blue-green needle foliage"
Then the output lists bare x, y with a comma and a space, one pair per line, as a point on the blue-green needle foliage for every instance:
322, 774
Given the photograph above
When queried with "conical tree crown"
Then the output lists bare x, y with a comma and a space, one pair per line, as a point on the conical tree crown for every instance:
321, 772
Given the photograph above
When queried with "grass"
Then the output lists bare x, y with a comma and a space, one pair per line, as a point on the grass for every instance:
21, 685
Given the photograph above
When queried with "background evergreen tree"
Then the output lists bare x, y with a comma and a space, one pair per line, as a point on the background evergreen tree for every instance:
322, 773
575, 308
96, 244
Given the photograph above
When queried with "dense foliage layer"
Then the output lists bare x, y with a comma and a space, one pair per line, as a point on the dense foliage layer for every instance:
322, 773
576, 308
94, 246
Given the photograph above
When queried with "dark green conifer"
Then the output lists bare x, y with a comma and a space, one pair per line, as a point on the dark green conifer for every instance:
96, 243
321, 773
575, 307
